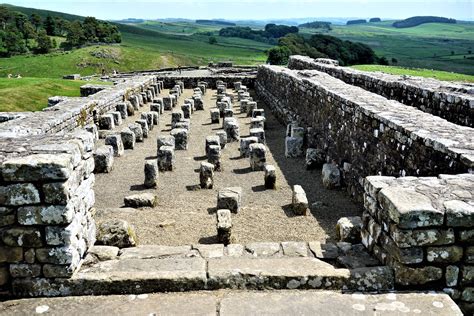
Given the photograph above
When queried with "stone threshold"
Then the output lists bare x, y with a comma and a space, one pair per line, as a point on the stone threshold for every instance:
228, 302
259, 266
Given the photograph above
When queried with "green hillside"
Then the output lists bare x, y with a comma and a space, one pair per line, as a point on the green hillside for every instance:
448, 47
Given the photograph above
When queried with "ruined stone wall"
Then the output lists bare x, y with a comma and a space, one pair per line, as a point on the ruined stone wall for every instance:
451, 101
373, 134
423, 228
46, 186
191, 82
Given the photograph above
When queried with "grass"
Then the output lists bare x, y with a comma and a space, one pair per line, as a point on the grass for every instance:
428, 46
427, 73
31, 94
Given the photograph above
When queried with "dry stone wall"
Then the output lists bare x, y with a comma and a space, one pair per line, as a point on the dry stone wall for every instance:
46, 184
374, 135
451, 101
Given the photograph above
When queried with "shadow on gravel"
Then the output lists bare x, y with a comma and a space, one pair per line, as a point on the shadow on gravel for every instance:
138, 187
200, 158
209, 240
258, 188
288, 209
194, 187
242, 170
212, 210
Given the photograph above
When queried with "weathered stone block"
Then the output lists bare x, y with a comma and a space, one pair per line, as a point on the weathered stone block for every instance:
103, 159
137, 130
446, 254
314, 158
215, 116
263, 249
58, 255
452, 275
141, 200
151, 173
166, 158
106, 121
118, 233
222, 138
214, 157
250, 107
232, 129
257, 156
416, 276
459, 214
224, 226
37, 167
176, 116
46, 215
348, 229
245, 145
299, 202
117, 118
259, 133
116, 142
212, 140
181, 138
19, 194
258, 112
257, 122
331, 175
122, 109
206, 175
270, 177
144, 125
148, 117
409, 209
23, 270
230, 198
293, 147
11, 254
295, 248
128, 138
186, 109
324, 250
405, 238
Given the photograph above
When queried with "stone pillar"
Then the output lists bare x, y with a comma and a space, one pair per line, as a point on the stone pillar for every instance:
151, 173
122, 108
212, 140
144, 125
215, 116
270, 177
245, 145
181, 138
149, 119
259, 133
244, 106
165, 140
222, 138
106, 122
103, 159
206, 175
166, 158
224, 226
214, 157
331, 176
117, 118
257, 156
299, 201
186, 109
230, 198
250, 107
115, 140
176, 116
128, 138
198, 103
258, 112
191, 102
137, 130
258, 122
231, 127
167, 103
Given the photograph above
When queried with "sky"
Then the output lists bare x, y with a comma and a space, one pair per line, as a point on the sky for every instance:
259, 9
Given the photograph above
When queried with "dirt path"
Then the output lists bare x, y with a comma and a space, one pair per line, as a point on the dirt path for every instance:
185, 215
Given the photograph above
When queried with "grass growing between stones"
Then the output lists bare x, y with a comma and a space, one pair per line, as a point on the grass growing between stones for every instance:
31, 94
427, 73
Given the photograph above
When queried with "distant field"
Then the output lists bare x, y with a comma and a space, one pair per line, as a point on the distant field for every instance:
440, 75
31, 94
432, 46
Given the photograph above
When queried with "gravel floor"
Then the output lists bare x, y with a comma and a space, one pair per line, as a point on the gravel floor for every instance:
186, 215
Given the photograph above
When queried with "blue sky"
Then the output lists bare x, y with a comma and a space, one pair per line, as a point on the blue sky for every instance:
260, 9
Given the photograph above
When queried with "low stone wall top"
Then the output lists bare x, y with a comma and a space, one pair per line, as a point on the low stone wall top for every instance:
451, 101
72, 112
375, 135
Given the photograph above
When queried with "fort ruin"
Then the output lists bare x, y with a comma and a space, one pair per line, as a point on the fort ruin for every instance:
305, 177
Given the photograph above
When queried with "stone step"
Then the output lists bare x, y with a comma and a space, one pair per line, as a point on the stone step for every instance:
180, 273
227, 302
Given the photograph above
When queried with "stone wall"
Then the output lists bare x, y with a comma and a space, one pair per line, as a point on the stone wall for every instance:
423, 228
451, 101
374, 135
46, 185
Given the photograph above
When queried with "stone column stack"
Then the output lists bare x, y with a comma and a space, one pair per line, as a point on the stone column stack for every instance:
45, 212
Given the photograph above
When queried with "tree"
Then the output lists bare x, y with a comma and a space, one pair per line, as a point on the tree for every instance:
50, 26
44, 43
212, 40
75, 35
383, 61
394, 60
278, 55
14, 43
36, 20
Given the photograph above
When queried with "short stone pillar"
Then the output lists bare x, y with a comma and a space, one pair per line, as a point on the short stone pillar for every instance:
299, 201
148, 117
180, 137
122, 108
185, 123
244, 106
258, 112
214, 157
115, 140
237, 85
176, 116
222, 138
186, 108
212, 140
314, 158
103, 159
230, 198
156, 117
228, 113
151, 174
259, 133
128, 138
293, 147
165, 140
130, 109
144, 125
224, 226
174, 100
156, 107
167, 103
134, 100
221, 89
198, 103
245, 145
348, 229
215, 116
190, 102
257, 156
166, 158
270, 177
117, 118
331, 176
231, 127
257, 122
137, 130
106, 122
206, 175
252, 105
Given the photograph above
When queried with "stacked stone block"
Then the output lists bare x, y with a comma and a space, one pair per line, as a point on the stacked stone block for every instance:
423, 228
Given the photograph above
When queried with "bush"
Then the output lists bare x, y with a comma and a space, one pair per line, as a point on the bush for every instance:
212, 40
278, 55
417, 20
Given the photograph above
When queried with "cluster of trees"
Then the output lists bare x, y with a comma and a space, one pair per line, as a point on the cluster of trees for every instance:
269, 35
417, 20
21, 33
317, 25
359, 21
372, 20
323, 46
215, 22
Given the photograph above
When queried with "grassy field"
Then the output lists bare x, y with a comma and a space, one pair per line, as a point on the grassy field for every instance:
31, 94
427, 73
431, 46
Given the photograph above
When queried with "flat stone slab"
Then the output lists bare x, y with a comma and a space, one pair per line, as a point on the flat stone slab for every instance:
156, 252
228, 303
141, 200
